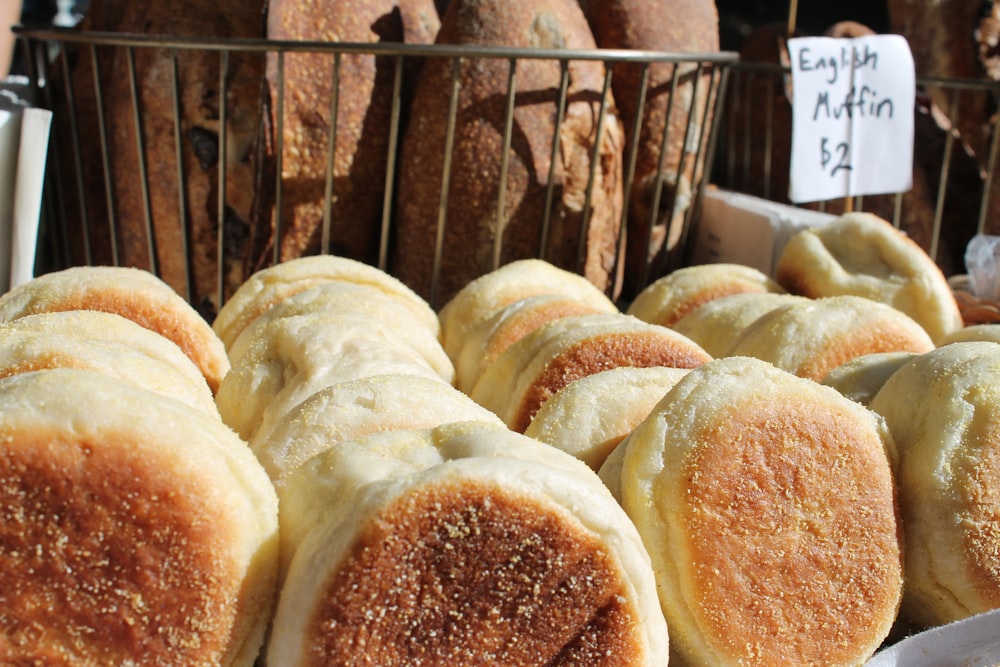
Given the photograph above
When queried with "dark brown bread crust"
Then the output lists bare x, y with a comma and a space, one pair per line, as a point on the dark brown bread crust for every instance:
677, 26
471, 227
364, 116
200, 111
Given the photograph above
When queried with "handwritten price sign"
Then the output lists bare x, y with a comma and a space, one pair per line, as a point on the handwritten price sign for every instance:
852, 116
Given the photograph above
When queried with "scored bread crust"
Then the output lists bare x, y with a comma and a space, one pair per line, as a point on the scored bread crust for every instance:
135, 528
716, 324
864, 255
668, 299
531, 370
943, 408
135, 294
813, 337
269, 286
468, 544
589, 417
105, 342
767, 504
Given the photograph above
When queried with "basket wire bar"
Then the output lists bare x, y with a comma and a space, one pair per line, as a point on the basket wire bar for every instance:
96, 45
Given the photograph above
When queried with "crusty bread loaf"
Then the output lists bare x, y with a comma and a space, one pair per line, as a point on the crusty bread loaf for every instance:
132, 293
530, 371
864, 255
812, 337
462, 545
363, 89
768, 507
666, 300
942, 409
476, 236
184, 236
483, 297
589, 417
716, 324
267, 287
136, 529
677, 101
104, 342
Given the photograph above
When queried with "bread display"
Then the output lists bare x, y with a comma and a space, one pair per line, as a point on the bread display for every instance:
810, 338
267, 287
716, 324
767, 505
107, 343
462, 545
136, 528
360, 131
499, 205
589, 417
668, 132
942, 410
864, 255
668, 299
530, 371
135, 294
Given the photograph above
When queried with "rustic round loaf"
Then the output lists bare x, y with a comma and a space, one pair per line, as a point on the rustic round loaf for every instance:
589, 417
530, 371
943, 409
864, 255
465, 544
136, 530
105, 342
813, 337
767, 504
135, 294
269, 286
668, 299
716, 324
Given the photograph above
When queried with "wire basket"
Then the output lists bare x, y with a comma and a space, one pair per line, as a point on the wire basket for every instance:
954, 195
84, 223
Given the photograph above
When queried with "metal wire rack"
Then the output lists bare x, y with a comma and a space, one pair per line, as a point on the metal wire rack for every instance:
82, 229
955, 194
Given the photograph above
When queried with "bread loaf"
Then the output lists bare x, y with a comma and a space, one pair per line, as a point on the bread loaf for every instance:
656, 220
184, 245
362, 87
476, 236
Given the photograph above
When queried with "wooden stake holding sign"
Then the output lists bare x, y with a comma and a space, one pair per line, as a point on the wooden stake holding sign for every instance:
852, 117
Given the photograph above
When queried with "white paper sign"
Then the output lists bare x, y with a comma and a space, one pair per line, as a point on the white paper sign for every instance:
852, 116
